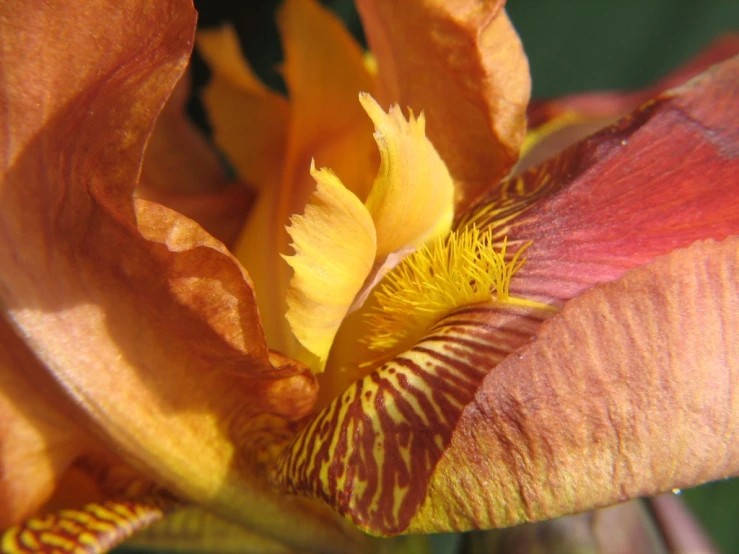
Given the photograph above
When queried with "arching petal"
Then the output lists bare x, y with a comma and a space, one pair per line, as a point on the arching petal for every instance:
142, 321
629, 392
325, 71
463, 65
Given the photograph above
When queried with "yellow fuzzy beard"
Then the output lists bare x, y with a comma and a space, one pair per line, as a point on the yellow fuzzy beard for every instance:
457, 270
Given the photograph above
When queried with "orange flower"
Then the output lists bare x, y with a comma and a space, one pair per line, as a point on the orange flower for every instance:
470, 390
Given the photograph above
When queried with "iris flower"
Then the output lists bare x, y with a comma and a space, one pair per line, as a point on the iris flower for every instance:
443, 347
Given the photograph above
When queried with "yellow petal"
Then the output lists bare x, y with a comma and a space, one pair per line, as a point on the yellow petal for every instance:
249, 121
335, 247
412, 198
324, 70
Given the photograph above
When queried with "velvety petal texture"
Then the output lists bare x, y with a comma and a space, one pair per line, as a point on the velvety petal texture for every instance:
462, 63
574, 415
143, 322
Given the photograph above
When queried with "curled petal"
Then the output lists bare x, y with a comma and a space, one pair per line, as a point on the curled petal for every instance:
324, 71
463, 65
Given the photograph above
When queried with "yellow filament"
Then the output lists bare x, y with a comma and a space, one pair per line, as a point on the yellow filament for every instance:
460, 269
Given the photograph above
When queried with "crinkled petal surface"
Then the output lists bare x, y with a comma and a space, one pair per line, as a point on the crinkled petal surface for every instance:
441, 439
140, 319
463, 65
335, 245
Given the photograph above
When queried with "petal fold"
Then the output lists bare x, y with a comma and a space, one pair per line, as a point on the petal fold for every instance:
463, 65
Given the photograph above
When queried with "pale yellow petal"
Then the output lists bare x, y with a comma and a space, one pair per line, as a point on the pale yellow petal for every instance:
412, 198
335, 248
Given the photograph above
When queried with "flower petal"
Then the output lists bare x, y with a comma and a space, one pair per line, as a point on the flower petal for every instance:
335, 245
660, 179
642, 404
249, 121
142, 321
38, 442
463, 65
390, 460
412, 197
325, 71
94, 529
182, 171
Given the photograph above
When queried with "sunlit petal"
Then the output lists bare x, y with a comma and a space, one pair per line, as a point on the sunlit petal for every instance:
145, 322
443, 439
463, 65
335, 245
412, 197
642, 404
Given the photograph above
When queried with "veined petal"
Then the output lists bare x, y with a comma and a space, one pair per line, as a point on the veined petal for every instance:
458, 433
463, 65
659, 179
335, 246
143, 322
249, 121
644, 403
412, 197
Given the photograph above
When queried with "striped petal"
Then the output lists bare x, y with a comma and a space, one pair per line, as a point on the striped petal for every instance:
480, 426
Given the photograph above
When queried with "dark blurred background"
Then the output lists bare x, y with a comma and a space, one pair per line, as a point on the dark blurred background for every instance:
573, 45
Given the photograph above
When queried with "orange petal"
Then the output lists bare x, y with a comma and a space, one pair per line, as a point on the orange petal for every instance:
629, 392
463, 65
38, 442
556, 124
249, 121
141, 320
182, 171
